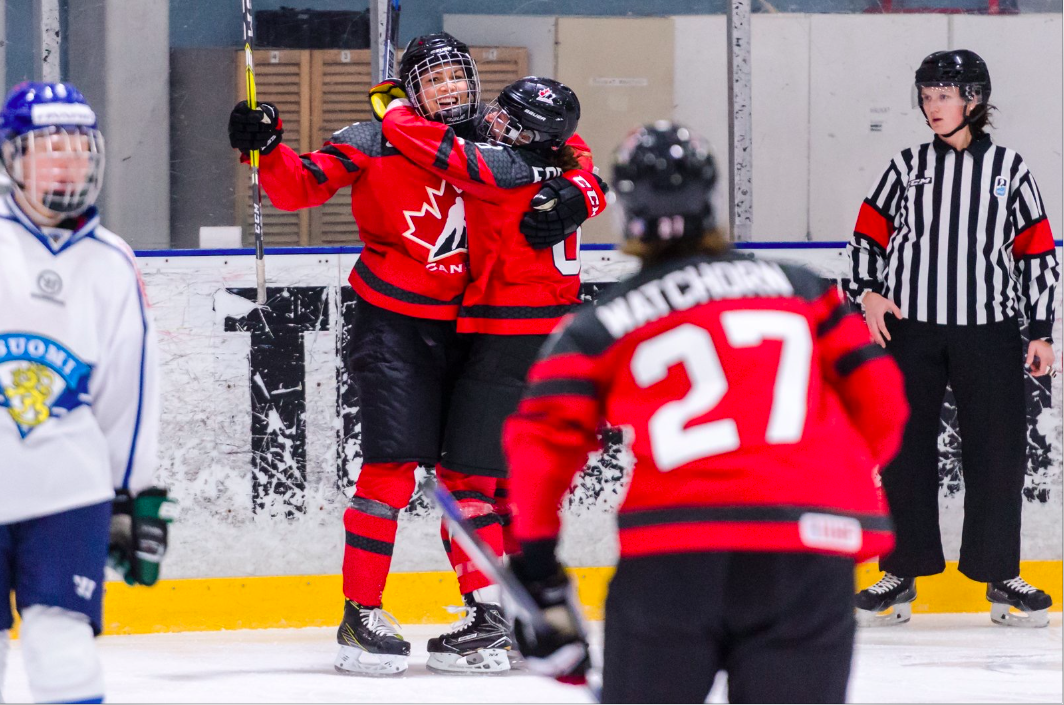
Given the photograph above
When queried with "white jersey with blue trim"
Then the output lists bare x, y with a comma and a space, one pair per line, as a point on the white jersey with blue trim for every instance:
79, 402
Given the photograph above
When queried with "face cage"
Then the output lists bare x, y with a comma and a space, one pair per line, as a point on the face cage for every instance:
421, 75
966, 92
64, 199
498, 127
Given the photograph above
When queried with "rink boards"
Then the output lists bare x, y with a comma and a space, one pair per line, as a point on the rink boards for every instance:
260, 445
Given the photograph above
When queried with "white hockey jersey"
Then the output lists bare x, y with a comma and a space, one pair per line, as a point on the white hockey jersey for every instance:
79, 406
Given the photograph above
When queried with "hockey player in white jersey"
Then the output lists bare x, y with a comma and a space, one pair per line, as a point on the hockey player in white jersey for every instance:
79, 403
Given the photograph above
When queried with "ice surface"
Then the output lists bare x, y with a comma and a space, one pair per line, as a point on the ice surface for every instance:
936, 658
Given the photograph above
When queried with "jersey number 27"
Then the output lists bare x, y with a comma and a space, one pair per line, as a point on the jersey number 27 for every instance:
672, 442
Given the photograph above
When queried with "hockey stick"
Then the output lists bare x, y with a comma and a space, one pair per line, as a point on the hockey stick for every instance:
391, 38
486, 560
387, 37
256, 189
483, 556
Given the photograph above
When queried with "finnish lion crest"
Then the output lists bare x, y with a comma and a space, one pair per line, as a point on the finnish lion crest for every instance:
40, 379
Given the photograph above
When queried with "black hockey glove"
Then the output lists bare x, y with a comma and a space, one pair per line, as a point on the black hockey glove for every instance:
559, 651
259, 129
139, 534
559, 209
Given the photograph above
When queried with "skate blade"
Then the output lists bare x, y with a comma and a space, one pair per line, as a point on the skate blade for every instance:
896, 614
354, 661
517, 661
1008, 616
491, 661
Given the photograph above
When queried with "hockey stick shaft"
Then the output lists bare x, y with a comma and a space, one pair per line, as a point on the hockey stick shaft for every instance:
482, 555
486, 560
256, 188
391, 38
384, 14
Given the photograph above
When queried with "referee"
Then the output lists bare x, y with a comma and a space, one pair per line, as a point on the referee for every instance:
951, 248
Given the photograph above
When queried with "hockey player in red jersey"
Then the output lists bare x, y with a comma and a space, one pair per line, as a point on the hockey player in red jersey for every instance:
517, 295
405, 351
760, 410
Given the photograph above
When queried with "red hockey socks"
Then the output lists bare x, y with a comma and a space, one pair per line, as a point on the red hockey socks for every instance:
476, 497
502, 508
381, 492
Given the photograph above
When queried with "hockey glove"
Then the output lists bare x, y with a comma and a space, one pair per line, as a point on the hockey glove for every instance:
561, 206
559, 651
384, 93
259, 129
139, 534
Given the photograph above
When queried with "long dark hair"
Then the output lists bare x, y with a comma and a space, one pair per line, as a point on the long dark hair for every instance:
564, 157
979, 123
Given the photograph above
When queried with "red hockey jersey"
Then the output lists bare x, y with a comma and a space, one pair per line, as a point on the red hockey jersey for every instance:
411, 221
515, 290
758, 405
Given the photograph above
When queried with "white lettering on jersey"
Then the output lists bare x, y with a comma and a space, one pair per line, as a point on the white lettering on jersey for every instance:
681, 289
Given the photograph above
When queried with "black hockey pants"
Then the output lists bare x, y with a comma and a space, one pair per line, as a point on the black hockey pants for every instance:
780, 624
984, 366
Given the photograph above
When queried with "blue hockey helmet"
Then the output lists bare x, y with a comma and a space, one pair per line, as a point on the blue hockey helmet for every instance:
52, 149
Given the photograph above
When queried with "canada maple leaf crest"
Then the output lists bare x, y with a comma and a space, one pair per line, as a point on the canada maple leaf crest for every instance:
447, 234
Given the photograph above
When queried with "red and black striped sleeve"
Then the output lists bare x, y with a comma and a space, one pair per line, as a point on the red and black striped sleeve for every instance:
481, 169
863, 374
548, 438
293, 181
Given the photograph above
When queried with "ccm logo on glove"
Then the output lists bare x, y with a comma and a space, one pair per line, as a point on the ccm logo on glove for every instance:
594, 203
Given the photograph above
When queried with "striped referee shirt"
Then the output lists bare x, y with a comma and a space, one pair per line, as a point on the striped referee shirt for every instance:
957, 238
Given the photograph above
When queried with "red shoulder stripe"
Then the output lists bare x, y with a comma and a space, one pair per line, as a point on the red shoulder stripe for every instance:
873, 225
1035, 239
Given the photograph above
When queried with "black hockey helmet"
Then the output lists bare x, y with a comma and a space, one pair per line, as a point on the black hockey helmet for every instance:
533, 111
663, 177
958, 67
455, 73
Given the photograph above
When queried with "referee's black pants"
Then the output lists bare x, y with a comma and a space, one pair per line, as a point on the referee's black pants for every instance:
984, 366
780, 624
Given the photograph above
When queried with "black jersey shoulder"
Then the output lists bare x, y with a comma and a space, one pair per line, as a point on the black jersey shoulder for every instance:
366, 137
513, 167
807, 284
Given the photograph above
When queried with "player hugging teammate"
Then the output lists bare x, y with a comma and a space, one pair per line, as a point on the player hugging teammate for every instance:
406, 355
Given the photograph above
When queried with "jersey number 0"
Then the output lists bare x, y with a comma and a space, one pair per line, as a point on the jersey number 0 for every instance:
674, 443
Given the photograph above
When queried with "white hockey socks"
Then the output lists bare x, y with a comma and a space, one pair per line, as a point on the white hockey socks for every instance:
59, 649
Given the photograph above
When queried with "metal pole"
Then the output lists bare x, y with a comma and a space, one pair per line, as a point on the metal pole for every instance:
46, 47
740, 131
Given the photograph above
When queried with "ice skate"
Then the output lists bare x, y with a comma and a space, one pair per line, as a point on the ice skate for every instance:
1014, 603
477, 643
370, 644
886, 603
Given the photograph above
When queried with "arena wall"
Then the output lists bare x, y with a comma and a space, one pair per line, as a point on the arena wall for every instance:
234, 522
259, 447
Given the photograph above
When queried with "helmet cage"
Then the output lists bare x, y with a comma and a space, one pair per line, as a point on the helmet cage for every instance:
54, 194
498, 126
465, 91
